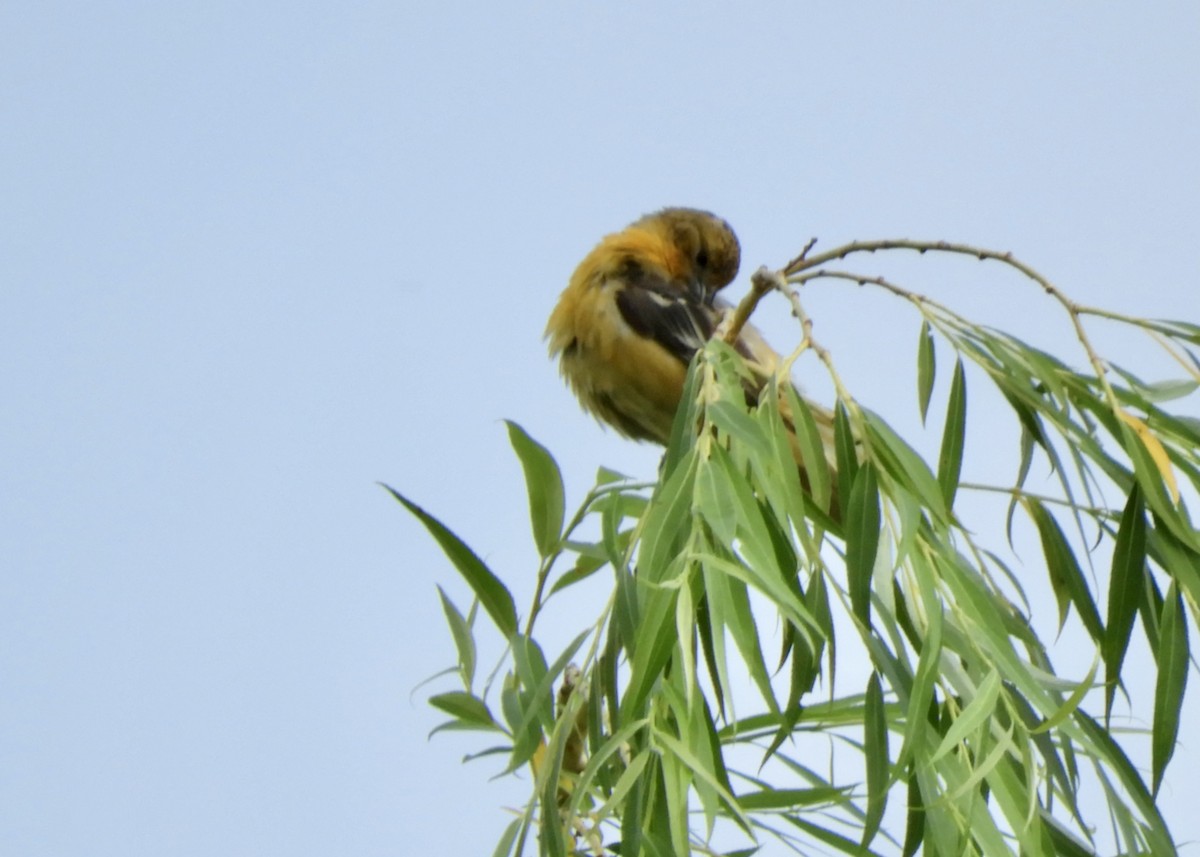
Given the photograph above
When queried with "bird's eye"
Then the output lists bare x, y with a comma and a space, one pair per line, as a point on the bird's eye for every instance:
702, 259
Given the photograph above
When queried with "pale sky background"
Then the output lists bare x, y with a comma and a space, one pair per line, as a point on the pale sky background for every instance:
256, 257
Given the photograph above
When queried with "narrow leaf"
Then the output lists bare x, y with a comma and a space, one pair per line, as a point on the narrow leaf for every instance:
504, 846
460, 629
655, 643
704, 774
735, 421
491, 593
846, 452
1066, 577
683, 427
907, 469
1172, 681
466, 707
926, 367
775, 799
1124, 591
875, 749
667, 520
862, 540
914, 831
1169, 390
544, 485
1105, 745
1155, 448
977, 712
812, 447
953, 436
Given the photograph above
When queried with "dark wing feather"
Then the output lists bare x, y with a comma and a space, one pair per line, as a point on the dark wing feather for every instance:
661, 311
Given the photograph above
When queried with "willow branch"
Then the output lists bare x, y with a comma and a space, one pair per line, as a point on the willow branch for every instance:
1074, 310
807, 341
763, 281
922, 302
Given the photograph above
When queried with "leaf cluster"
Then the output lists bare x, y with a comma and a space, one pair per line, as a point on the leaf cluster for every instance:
701, 703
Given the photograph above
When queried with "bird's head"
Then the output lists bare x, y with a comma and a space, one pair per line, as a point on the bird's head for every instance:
709, 249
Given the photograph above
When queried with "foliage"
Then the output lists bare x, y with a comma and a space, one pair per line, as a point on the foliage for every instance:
674, 728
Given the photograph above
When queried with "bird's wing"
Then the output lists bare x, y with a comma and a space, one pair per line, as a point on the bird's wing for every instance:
660, 310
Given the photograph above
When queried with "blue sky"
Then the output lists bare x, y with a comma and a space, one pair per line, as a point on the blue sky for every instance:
254, 258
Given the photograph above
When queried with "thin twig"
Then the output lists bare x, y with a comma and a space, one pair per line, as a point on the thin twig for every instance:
982, 253
921, 301
802, 263
812, 242
807, 340
1021, 494
763, 281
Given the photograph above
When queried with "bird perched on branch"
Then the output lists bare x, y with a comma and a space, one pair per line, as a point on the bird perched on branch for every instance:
639, 307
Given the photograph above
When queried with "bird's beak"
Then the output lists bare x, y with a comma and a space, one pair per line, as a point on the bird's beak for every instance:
698, 293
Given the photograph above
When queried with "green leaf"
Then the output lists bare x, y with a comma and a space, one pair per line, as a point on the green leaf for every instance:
928, 666
683, 754
521, 712
1124, 591
904, 465
953, 436
1062, 842
730, 607
551, 841
1177, 559
1029, 419
544, 484
467, 707
1072, 702
655, 642
666, 521
812, 448
614, 509
1181, 329
605, 476
732, 419
862, 540
1151, 607
973, 717
846, 452
816, 600
828, 835
1066, 577
775, 471
585, 566
914, 831
464, 642
715, 500
775, 799
1154, 829
1167, 391
926, 367
611, 747
806, 666
683, 428
875, 750
492, 594
508, 838
1152, 473
530, 663
1172, 681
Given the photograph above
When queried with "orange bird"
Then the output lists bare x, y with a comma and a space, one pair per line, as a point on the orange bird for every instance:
638, 308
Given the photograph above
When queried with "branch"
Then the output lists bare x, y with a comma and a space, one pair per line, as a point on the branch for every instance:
763, 281
1075, 310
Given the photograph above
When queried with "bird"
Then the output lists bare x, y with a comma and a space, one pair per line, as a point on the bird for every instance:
638, 308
